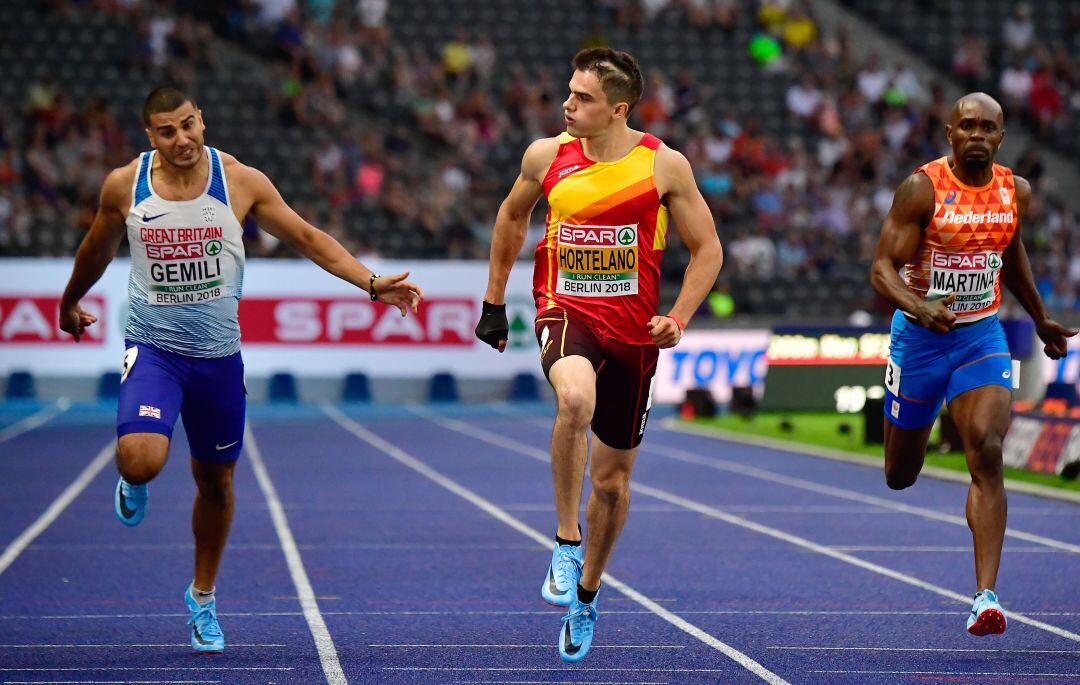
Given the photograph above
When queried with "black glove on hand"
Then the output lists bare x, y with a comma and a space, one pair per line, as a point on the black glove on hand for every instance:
493, 325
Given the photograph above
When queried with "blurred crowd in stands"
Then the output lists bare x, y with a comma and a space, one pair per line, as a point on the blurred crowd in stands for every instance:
444, 127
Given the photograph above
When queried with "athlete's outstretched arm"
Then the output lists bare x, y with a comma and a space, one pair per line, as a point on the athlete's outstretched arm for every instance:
96, 251
1016, 274
278, 219
912, 207
511, 223
694, 222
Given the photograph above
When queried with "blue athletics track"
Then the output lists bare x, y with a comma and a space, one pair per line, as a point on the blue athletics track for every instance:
407, 544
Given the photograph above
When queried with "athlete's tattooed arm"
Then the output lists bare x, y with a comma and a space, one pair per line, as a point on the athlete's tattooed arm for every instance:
97, 249
911, 211
1016, 275
694, 221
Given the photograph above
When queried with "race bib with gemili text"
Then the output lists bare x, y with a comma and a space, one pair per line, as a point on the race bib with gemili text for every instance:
971, 275
184, 264
598, 261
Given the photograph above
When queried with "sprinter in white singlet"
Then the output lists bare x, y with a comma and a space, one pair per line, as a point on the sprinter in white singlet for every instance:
182, 205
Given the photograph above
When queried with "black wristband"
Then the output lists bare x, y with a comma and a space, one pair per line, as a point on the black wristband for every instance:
371, 286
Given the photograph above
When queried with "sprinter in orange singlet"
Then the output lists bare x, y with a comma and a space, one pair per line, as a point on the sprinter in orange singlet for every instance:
954, 229
610, 191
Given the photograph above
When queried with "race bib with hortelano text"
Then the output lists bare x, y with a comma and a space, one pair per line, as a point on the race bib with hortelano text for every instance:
597, 261
971, 275
184, 265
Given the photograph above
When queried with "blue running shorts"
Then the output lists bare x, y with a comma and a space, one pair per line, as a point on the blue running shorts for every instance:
925, 368
208, 393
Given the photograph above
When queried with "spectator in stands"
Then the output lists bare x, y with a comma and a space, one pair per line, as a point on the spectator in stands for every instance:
1018, 32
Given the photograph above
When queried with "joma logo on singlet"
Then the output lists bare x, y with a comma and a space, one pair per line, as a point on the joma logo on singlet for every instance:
568, 170
952, 217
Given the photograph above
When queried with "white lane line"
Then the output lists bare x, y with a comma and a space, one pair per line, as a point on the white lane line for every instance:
36, 419
16, 547
712, 512
145, 668
97, 646
578, 669
803, 450
796, 648
465, 612
521, 646
323, 642
934, 548
590, 682
544, 542
843, 493
964, 674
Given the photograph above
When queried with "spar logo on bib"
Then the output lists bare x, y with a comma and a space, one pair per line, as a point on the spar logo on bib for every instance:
597, 261
971, 275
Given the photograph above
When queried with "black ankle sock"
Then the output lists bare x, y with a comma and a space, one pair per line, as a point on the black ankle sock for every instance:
586, 596
573, 543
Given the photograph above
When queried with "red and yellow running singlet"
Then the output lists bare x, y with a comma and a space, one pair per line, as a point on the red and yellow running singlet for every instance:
961, 248
606, 228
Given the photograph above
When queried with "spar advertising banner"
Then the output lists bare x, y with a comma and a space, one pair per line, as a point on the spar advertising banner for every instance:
293, 317
715, 359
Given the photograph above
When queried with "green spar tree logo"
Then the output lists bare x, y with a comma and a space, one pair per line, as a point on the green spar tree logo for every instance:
627, 236
994, 261
213, 247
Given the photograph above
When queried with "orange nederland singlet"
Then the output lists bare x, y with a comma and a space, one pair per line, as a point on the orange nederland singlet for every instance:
961, 248
606, 228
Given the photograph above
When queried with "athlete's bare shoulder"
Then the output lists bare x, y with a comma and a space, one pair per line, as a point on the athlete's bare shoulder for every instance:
538, 158
233, 167
669, 160
671, 170
1023, 193
116, 190
914, 199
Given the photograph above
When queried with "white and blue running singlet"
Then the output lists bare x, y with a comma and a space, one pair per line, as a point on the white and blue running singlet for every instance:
187, 266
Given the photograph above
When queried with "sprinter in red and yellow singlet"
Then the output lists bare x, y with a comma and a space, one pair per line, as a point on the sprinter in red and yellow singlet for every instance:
610, 192
954, 230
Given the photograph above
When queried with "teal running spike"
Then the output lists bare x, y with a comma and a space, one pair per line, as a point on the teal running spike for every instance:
576, 635
986, 617
564, 572
130, 502
206, 635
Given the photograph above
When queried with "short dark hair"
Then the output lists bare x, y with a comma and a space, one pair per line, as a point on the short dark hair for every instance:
618, 72
163, 99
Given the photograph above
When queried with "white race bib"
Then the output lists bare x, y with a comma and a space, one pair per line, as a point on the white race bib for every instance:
971, 275
597, 261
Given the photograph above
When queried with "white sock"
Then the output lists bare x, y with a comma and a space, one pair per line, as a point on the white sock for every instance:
202, 597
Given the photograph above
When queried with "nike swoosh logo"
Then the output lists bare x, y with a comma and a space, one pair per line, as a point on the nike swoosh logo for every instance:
568, 645
124, 511
199, 638
151, 218
225, 447
552, 587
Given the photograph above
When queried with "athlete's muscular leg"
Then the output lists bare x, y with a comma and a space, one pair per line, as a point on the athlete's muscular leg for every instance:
141, 456
609, 504
905, 451
211, 517
982, 417
574, 382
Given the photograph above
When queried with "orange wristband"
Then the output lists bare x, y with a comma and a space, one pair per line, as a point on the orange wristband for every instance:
677, 322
